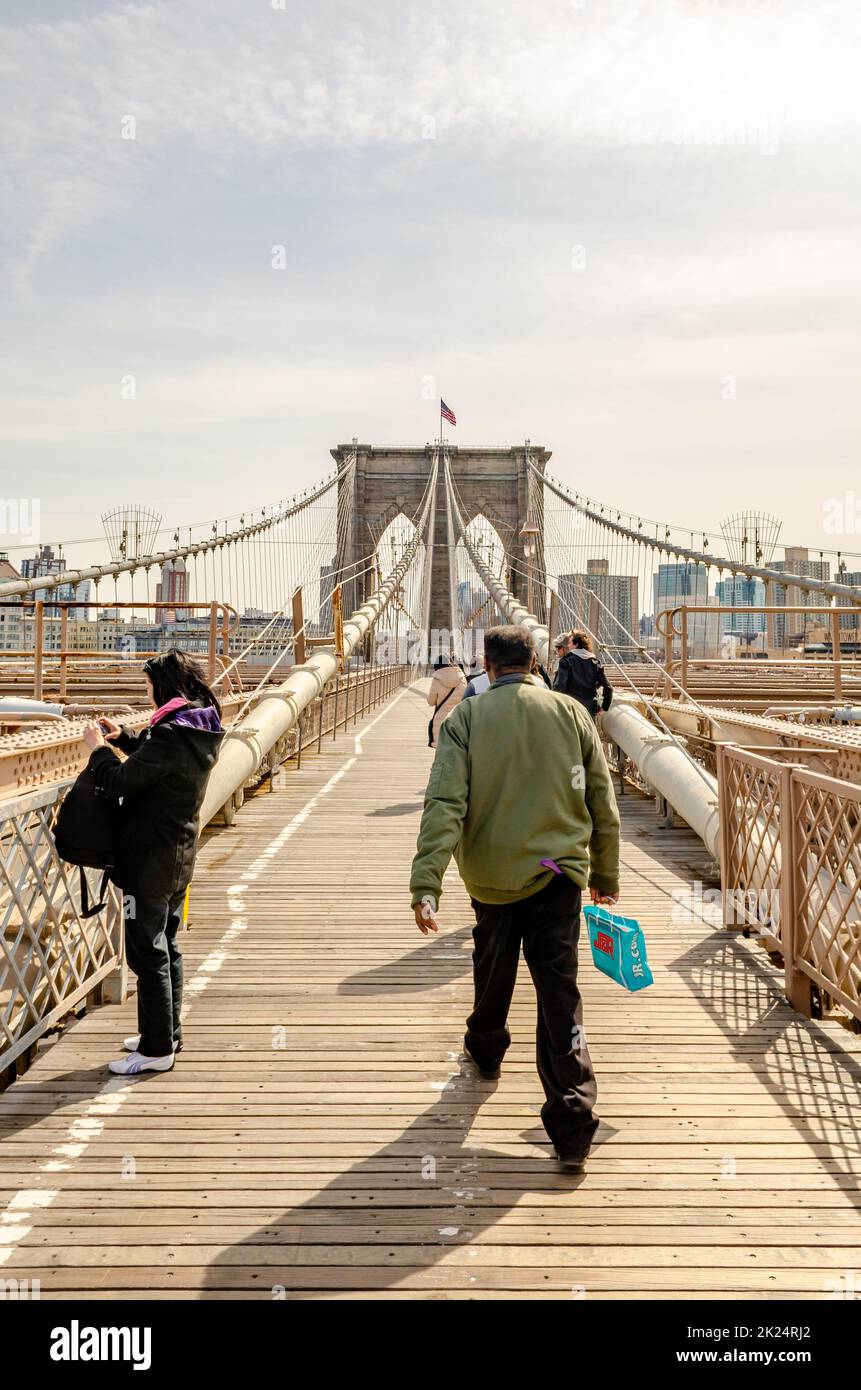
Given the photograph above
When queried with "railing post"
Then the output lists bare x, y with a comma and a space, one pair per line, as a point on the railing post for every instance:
836, 655
338, 622
213, 641
225, 635
64, 643
38, 652
335, 714
770, 637
322, 704
797, 985
298, 628
684, 653
669, 628
723, 829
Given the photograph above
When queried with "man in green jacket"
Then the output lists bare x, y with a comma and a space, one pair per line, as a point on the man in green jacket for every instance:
521, 796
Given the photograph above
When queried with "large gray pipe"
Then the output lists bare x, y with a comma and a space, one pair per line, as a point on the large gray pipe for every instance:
30, 709
689, 789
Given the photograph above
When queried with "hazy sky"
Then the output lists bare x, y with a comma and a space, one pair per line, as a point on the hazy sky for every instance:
630, 231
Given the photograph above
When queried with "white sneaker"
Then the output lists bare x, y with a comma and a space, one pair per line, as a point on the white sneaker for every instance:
132, 1044
136, 1062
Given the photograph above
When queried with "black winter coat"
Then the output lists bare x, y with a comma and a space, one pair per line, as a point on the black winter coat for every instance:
162, 783
581, 677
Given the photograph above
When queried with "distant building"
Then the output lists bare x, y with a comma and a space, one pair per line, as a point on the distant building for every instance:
849, 624
672, 584
10, 617
7, 570
45, 563
608, 604
173, 585
470, 601
263, 637
790, 629
686, 583
739, 591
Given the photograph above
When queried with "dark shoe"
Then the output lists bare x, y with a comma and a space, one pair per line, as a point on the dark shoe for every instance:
570, 1165
488, 1073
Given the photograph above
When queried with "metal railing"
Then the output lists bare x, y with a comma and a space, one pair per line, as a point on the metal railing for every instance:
65, 657
51, 959
674, 626
791, 869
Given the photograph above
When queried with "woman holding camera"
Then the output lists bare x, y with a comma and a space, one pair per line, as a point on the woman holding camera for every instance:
162, 782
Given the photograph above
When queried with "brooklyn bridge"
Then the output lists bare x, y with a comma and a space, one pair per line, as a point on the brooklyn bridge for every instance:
321, 1136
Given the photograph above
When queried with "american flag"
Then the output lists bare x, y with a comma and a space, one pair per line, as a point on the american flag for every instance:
447, 414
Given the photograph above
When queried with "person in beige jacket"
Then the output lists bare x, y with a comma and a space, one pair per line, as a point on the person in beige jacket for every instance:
446, 693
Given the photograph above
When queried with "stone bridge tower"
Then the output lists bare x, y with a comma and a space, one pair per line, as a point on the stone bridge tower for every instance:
388, 481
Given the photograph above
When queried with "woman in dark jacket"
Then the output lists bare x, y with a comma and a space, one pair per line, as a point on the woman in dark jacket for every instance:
162, 783
581, 675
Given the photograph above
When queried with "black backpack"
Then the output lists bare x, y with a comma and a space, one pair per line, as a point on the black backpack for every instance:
86, 832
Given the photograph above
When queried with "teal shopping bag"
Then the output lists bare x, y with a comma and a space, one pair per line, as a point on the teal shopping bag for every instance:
618, 947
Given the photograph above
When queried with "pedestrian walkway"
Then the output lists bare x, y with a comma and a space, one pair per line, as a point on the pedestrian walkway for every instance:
319, 1137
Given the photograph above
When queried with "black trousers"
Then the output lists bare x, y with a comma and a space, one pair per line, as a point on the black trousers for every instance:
548, 925
154, 956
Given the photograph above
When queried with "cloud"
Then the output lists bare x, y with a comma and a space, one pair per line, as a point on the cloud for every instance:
229, 81
430, 170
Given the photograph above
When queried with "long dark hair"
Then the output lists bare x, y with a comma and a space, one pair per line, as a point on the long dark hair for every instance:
174, 673
581, 640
